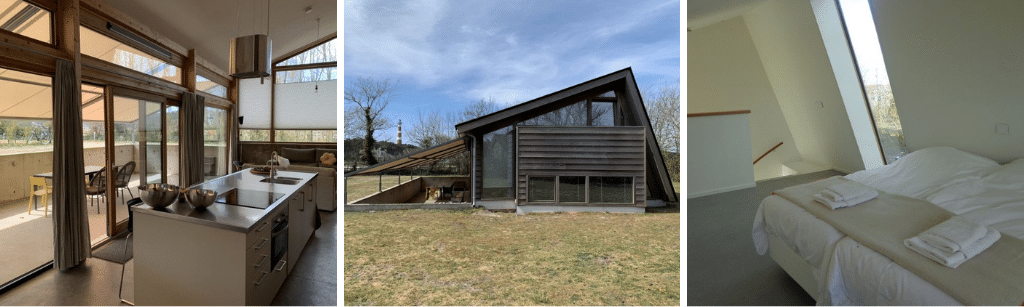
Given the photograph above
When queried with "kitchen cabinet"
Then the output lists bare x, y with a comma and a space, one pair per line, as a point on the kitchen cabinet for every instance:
221, 255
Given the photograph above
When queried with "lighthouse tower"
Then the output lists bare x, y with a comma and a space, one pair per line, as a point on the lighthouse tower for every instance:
399, 132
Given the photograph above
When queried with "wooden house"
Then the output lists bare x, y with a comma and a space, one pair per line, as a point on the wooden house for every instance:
589, 147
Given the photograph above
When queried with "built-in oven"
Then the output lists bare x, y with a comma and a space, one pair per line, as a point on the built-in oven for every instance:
279, 239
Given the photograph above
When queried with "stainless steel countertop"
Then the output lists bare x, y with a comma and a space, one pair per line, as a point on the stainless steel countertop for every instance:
230, 217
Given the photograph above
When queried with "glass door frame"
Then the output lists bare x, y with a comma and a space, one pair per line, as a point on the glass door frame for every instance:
113, 227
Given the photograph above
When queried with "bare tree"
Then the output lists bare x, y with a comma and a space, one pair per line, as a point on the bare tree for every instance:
663, 108
432, 129
370, 96
479, 108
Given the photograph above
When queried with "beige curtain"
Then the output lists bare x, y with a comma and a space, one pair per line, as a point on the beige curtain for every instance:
70, 220
193, 109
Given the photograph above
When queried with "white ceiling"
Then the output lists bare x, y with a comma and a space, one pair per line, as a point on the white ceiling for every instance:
209, 25
702, 13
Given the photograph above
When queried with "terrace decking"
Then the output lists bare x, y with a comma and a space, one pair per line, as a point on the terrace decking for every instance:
28, 236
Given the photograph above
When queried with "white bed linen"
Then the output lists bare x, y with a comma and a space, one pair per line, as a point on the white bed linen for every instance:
851, 274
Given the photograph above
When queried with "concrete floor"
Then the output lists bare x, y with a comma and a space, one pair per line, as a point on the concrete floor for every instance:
313, 282
722, 266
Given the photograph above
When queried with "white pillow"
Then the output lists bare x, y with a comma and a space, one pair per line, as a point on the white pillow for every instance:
925, 171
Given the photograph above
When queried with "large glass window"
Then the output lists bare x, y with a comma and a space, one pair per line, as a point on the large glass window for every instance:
26, 19
541, 189
173, 149
215, 143
323, 53
571, 189
499, 164
611, 190
306, 136
863, 38
253, 135
104, 48
26, 153
213, 88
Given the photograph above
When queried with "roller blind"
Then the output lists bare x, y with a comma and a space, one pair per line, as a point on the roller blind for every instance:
306, 105
254, 103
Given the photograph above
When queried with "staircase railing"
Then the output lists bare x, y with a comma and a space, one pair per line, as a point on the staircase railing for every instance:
767, 152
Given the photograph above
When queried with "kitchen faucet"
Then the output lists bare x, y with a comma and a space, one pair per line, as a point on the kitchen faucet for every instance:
272, 163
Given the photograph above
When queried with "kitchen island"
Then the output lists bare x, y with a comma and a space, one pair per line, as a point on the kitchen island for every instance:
237, 251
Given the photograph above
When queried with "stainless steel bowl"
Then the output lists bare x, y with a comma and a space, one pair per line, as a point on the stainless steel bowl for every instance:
200, 198
159, 195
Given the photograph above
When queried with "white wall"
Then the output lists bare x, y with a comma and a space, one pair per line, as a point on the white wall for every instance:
956, 69
717, 154
724, 73
796, 63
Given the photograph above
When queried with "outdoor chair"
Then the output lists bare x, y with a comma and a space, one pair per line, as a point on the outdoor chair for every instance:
97, 188
44, 192
124, 174
457, 187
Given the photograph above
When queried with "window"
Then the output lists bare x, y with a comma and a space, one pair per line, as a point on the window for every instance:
611, 190
572, 189
541, 189
26, 134
215, 147
104, 48
207, 86
306, 136
499, 165
863, 39
26, 19
253, 135
323, 53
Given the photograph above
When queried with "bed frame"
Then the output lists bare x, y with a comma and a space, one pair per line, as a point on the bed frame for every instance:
794, 265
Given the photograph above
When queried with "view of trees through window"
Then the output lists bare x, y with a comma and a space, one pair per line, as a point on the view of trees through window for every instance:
868, 53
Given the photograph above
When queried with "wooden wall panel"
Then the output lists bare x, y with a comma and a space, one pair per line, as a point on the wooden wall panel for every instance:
581, 151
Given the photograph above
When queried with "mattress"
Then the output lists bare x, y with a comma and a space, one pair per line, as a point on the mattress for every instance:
851, 274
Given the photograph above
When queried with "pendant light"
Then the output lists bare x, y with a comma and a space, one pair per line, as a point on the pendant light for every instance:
316, 86
250, 55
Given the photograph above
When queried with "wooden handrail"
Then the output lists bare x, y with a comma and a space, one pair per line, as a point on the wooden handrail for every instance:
717, 113
766, 153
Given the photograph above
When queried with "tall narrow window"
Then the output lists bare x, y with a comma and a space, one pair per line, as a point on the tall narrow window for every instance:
860, 29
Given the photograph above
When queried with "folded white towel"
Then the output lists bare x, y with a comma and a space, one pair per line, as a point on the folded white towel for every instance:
952, 260
954, 234
839, 204
846, 191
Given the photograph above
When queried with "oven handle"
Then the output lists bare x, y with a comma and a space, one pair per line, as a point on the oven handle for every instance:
280, 265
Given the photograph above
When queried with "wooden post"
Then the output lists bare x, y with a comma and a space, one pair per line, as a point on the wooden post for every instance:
380, 180
188, 72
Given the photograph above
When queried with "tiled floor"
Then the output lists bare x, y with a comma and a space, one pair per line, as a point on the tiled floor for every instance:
313, 282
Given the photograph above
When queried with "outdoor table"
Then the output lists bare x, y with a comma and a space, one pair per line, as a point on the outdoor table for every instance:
89, 171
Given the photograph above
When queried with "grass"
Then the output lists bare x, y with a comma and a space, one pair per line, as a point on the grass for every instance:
473, 257
362, 186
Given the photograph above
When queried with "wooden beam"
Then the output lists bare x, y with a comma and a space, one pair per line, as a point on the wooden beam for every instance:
305, 47
306, 66
212, 75
212, 100
214, 70
49, 5
104, 72
188, 72
98, 23
31, 45
104, 9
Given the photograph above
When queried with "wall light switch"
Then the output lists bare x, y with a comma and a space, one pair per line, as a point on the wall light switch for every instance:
1002, 128
819, 104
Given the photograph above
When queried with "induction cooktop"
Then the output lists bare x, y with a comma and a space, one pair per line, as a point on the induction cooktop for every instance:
248, 198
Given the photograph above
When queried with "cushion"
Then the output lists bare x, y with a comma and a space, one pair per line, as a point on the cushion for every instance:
321, 151
301, 155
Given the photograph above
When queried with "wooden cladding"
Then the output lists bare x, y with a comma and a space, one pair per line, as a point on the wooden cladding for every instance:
592, 152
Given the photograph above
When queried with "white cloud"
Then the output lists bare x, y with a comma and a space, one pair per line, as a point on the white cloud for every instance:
511, 53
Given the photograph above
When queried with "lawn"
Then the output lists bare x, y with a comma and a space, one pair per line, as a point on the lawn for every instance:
362, 186
474, 257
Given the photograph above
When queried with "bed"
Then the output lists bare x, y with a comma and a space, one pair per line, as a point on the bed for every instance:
836, 269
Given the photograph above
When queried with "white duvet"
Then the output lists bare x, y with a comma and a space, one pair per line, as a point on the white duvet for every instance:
974, 187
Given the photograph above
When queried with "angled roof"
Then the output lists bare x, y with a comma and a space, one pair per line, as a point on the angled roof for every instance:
624, 85
418, 158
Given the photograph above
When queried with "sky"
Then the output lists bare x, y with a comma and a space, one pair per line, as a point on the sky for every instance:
446, 54
864, 39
